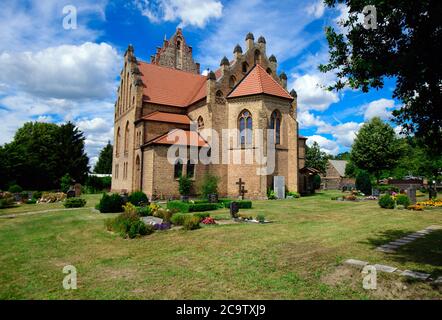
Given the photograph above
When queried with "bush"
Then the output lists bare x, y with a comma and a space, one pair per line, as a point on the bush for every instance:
271, 195
6, 200
403, 200
386, 188
201, 215
261, 218
178, 205
185, 184
293, 194
15, 188
65, 183
203, 207
178, 218
363, 183
191, 223
31, 201
37, 195
94, 184
144, 211
74, 203
316, 182
209, 185
110, 203
138, 198
386, 202
128, 224
164, 214
242, 204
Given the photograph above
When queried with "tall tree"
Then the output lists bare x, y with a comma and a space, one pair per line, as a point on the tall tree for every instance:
104, 163
315, 158
41, 153
406, 46
376, 148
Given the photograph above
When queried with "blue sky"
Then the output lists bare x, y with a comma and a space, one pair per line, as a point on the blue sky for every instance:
48, 73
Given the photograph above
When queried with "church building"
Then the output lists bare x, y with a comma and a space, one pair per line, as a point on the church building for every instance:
169, 93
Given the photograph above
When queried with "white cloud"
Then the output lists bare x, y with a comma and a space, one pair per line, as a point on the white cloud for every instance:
344, 133
280, 22
326, 145
307, 119
66, 71
381, 108
312, 92
188, 12
316, 9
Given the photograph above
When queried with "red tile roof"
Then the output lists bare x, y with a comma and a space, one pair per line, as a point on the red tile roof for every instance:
258, 81
171, 87
167, 117
192, 138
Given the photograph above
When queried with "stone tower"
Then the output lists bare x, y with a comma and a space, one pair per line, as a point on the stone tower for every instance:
176, 54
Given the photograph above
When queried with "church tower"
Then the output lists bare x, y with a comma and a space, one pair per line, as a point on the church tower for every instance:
176, 54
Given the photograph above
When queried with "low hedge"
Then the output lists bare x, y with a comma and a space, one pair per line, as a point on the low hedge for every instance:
242, 204
74, 203
178, 205
197, 207
201, 215
178, 219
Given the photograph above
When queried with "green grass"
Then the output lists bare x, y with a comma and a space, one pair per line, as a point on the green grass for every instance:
297, 256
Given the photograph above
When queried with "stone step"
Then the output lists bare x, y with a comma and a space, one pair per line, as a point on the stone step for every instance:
383, 268
355, 263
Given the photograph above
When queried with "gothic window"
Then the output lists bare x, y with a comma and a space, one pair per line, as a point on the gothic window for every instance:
257, 56
269, 71
126, 138
138, 173
200, 123
178, 45
117, 144
116, 171
245, 128
190, 169
219, 97
178, 169
275, 125
232, 82
245, 67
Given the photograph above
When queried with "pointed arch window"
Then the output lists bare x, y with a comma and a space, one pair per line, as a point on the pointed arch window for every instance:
275, 125
269, 71
178, 169
232, 82
118, 142
126, 138
245, 124
257, 56
245, 67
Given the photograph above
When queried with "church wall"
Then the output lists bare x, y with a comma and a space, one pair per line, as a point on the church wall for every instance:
148, 108
154, 129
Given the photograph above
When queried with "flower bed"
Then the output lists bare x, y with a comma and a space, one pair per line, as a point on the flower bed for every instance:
430, 203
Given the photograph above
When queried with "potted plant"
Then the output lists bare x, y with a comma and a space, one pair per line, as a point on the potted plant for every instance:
185, 184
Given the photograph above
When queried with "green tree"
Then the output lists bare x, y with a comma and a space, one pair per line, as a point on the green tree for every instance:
315, 158
65, 182
376, 148
41, 153
406, 46
104, 163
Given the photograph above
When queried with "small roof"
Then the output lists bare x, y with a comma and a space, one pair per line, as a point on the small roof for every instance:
339, 166
192, 138
167, 117
258, 81
309, 170
171, 87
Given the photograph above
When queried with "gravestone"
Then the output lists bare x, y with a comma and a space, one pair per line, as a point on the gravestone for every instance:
213, 198
411, 193
77, 189
70, 193
234, 209
241, 189
279, 186
376, 192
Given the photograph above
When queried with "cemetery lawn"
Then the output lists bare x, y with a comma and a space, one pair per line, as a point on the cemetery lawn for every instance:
298, 256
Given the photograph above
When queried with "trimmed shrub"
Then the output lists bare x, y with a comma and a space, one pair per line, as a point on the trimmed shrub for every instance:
74, 203
261, 218
185, 184
403, 200
363, 183
144, 211
110, 203
209, 185
191, 223
386, 202
201, 215
178, 219
15, 188
128, 224
178, 205
203, 207
138, 198
242, 204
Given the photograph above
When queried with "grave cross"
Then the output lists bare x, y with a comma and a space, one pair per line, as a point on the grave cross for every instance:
241, 189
